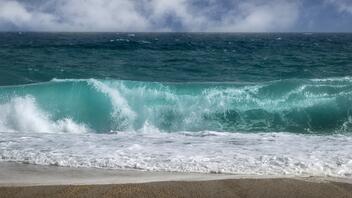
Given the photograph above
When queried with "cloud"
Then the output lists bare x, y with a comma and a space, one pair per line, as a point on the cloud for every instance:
14, 13
77, 15
342, 5
278, 16
149, 15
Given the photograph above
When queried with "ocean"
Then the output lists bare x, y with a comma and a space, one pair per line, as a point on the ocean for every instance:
268, 104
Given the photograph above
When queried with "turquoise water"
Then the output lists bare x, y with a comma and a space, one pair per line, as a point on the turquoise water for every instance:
301, 106
248, 104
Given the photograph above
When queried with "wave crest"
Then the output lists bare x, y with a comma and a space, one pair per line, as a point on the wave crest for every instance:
23, 114
314, 106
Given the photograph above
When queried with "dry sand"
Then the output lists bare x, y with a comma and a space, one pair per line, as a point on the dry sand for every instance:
18, 180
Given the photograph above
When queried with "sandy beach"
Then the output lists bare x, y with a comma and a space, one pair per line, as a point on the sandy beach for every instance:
23, 180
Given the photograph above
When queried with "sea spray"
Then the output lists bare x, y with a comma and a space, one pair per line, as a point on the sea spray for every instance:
296, 105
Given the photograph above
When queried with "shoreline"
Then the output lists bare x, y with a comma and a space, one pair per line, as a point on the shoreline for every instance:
25, 180
19, 174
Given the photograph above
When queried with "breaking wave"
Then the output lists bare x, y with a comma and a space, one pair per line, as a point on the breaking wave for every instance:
101, 106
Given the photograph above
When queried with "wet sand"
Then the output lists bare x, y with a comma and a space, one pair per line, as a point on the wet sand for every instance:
18, 180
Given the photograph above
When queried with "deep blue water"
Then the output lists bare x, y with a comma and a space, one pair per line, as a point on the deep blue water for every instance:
170, 57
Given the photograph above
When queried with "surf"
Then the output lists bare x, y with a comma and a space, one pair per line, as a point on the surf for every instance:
316, 106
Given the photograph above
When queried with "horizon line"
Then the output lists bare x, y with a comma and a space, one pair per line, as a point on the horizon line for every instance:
176, 32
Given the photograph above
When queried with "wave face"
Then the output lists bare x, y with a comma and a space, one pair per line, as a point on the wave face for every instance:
101, 106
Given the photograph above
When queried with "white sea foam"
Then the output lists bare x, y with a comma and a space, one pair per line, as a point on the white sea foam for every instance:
236, 153
122, 113
22, 114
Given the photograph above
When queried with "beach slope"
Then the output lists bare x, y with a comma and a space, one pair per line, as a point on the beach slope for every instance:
21, 180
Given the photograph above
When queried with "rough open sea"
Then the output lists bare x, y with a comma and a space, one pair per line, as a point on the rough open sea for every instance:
250, 104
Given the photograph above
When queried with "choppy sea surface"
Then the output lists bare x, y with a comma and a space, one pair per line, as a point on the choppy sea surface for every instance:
249, 104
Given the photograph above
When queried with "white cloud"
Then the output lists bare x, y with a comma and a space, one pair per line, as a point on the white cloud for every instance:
13, 12
149, 15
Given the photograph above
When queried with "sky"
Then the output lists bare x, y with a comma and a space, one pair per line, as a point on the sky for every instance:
176, 15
